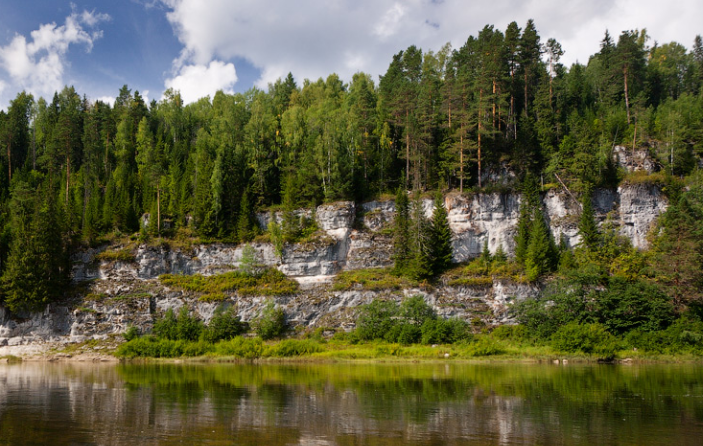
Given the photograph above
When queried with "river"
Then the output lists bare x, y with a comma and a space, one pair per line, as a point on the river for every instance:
350, 404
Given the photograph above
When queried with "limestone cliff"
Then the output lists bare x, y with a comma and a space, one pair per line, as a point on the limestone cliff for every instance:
350, 237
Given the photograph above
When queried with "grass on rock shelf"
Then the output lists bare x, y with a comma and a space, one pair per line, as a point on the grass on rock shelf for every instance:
270, 282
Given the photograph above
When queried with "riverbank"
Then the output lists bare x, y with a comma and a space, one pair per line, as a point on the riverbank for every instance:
484, 349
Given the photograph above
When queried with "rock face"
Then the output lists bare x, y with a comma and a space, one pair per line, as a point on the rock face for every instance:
116, 304
349, 237
637, 160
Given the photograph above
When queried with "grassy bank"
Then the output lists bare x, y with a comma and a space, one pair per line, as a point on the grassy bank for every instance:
482, 347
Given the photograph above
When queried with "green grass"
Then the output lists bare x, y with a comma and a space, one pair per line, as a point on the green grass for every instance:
119, 255
482, 347
270, 282
374, 279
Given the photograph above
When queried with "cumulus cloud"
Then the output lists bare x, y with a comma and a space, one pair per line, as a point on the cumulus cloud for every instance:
314, 39
197, 81
37, 64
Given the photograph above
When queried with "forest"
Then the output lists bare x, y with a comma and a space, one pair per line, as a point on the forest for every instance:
75, 171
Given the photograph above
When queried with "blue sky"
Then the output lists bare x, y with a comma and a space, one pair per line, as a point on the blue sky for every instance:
200, 46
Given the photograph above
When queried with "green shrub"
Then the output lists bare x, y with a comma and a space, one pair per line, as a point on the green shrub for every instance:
165, 327
224, 325
184, 327
249, 348
515, 333
188, 328
409, 334
483, 347
374, 279
151, 347
293, 347
639, 305
416, 311
585, 338
376, 319
684, 335
271, 323
120, 255
445, 331
267, 282
132, 332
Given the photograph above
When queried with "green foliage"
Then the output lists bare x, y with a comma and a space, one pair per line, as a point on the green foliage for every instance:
150, 347
440, 239
132, 332
75, 170
120, 255
588, 230
402, 253
165, 326
269, 282
224, 324
292, 347
541, 256
374, 279
249, 348
184, 327
37, 267
376, 319
247, 263
271, 323
586, 338
445, 331
277, 237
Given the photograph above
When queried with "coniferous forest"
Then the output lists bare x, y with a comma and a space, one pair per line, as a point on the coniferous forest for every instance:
73, 171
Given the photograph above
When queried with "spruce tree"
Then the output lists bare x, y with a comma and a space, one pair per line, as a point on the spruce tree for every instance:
541, 251
522, 239
587, 223
38, 266
421, 262
401, 232
440, 237
245, 221
290, 223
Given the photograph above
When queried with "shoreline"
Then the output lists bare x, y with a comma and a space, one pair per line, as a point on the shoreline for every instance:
58, 352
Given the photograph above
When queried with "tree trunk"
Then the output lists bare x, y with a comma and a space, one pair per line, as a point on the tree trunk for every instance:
9, 162
525, 92
407, 148
461, 159
158, 210
627, 99
68, 175
480, 127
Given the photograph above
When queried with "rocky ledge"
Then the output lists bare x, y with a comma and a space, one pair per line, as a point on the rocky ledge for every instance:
350, 237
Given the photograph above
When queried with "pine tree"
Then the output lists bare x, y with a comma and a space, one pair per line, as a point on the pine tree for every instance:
440, 237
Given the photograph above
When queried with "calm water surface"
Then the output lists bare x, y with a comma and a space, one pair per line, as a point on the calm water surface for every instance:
426, 404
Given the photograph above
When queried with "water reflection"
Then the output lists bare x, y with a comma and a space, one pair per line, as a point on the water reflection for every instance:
346, 404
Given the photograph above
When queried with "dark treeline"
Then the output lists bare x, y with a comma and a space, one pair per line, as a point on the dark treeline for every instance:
72, 170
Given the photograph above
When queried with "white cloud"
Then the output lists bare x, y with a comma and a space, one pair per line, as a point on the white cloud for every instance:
38, 65
197, 81
313, 39
390, 22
